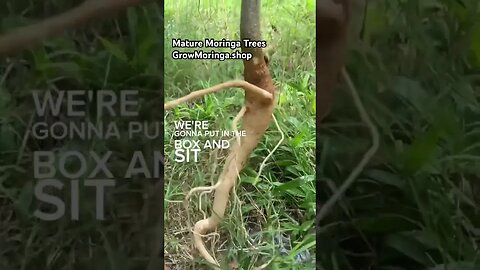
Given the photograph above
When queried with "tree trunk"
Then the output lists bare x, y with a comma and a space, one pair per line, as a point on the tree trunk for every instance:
255, 70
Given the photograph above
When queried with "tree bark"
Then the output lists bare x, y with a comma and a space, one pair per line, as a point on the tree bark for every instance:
255, 70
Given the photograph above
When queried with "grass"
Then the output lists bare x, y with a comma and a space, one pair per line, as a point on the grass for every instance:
282, 202
116, 54
416, 205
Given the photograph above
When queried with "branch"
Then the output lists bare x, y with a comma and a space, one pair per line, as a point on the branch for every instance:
324, 211
248, 87
29, 36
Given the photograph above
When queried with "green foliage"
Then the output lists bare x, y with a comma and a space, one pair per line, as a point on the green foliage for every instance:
416, 204
116, 54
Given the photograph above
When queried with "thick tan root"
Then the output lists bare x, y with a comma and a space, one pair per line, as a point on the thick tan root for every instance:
226, 181
234, 164
203, 225
256, 118
212, 188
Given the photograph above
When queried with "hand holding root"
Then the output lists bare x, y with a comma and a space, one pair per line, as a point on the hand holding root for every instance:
256, 118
